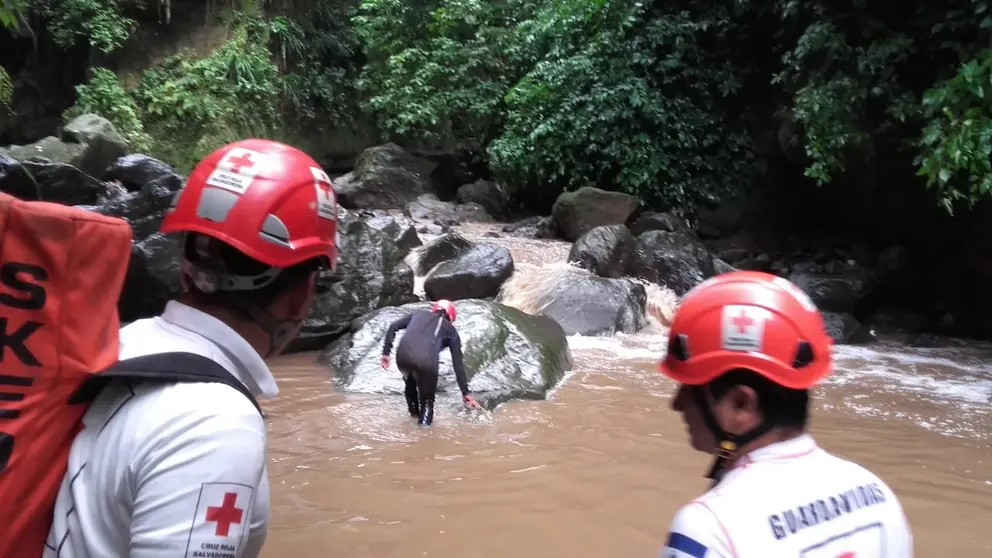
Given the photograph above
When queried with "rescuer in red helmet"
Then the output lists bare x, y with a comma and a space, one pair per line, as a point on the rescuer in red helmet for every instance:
176, 466
745, 348
427, 334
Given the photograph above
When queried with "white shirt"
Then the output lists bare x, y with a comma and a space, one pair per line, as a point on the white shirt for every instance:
170, 470
792, 500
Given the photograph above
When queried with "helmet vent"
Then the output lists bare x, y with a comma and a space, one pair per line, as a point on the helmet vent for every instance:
804, 355
678, 347
275, 231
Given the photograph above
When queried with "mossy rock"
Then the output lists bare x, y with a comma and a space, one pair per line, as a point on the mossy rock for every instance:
508, 354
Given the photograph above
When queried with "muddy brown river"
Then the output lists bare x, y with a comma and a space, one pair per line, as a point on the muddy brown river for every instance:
599, 468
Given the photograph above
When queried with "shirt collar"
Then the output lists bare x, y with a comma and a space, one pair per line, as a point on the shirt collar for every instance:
796, 447
251, 368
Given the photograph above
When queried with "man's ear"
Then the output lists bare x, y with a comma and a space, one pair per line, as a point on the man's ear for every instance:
743, 398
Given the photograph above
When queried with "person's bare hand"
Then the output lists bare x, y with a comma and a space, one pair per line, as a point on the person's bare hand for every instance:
470, 402
384, 361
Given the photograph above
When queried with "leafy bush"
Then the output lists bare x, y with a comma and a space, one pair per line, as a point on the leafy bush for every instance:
628, 99
104, 95
97, 22
677, 102
957, 143
193, 106
559, 95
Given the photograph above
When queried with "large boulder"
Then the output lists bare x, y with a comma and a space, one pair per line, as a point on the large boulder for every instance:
15, 180
845, 328
604, 250
371, 273
675, 260
508, 354
533, 227
89, 143
428, 207
580, 302
440, 249
137, 169
835, 292
578, 212
102, 143
41, 179
654, 221
153, 272
493, 197
478, 272
385, 177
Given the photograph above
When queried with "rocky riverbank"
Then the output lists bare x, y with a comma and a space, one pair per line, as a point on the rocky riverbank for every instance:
624, 248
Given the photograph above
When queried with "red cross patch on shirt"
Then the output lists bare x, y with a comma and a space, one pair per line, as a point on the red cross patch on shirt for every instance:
222, 519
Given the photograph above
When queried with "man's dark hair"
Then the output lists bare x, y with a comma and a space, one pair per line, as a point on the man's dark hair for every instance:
237, 262
780, 405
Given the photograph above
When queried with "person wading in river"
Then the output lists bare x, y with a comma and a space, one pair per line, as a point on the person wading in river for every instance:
166, 469
427, 334
746, 347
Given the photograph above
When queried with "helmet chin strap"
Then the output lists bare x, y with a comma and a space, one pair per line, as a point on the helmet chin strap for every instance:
280, 332
210, 277
728, 445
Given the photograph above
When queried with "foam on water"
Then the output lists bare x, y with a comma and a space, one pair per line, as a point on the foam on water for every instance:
928, 376
951, 387
641, 347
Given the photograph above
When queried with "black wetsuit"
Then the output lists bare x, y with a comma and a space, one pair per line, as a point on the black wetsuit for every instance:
427, 334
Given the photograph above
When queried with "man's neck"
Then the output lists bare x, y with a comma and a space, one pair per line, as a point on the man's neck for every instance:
774, 436
247, 330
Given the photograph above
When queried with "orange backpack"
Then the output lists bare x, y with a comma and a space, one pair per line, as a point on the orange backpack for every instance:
62, 270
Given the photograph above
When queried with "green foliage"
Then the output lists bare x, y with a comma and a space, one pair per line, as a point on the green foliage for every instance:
866, 82
609, 93
273, 76
194, 106
9, 12
185, 107
957, 143
9, 19
97, 22
673, 101
628, 98
844, 74
6, 87
316, 51
439, 71
104, 95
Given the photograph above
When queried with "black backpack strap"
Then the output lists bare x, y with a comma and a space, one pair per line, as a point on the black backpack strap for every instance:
167, 367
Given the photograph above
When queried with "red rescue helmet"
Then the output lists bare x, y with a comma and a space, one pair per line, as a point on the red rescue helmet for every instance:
447, 306
268, 200
750, 320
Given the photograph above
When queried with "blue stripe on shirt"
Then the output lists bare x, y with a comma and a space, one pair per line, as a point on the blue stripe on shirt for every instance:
686, 545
